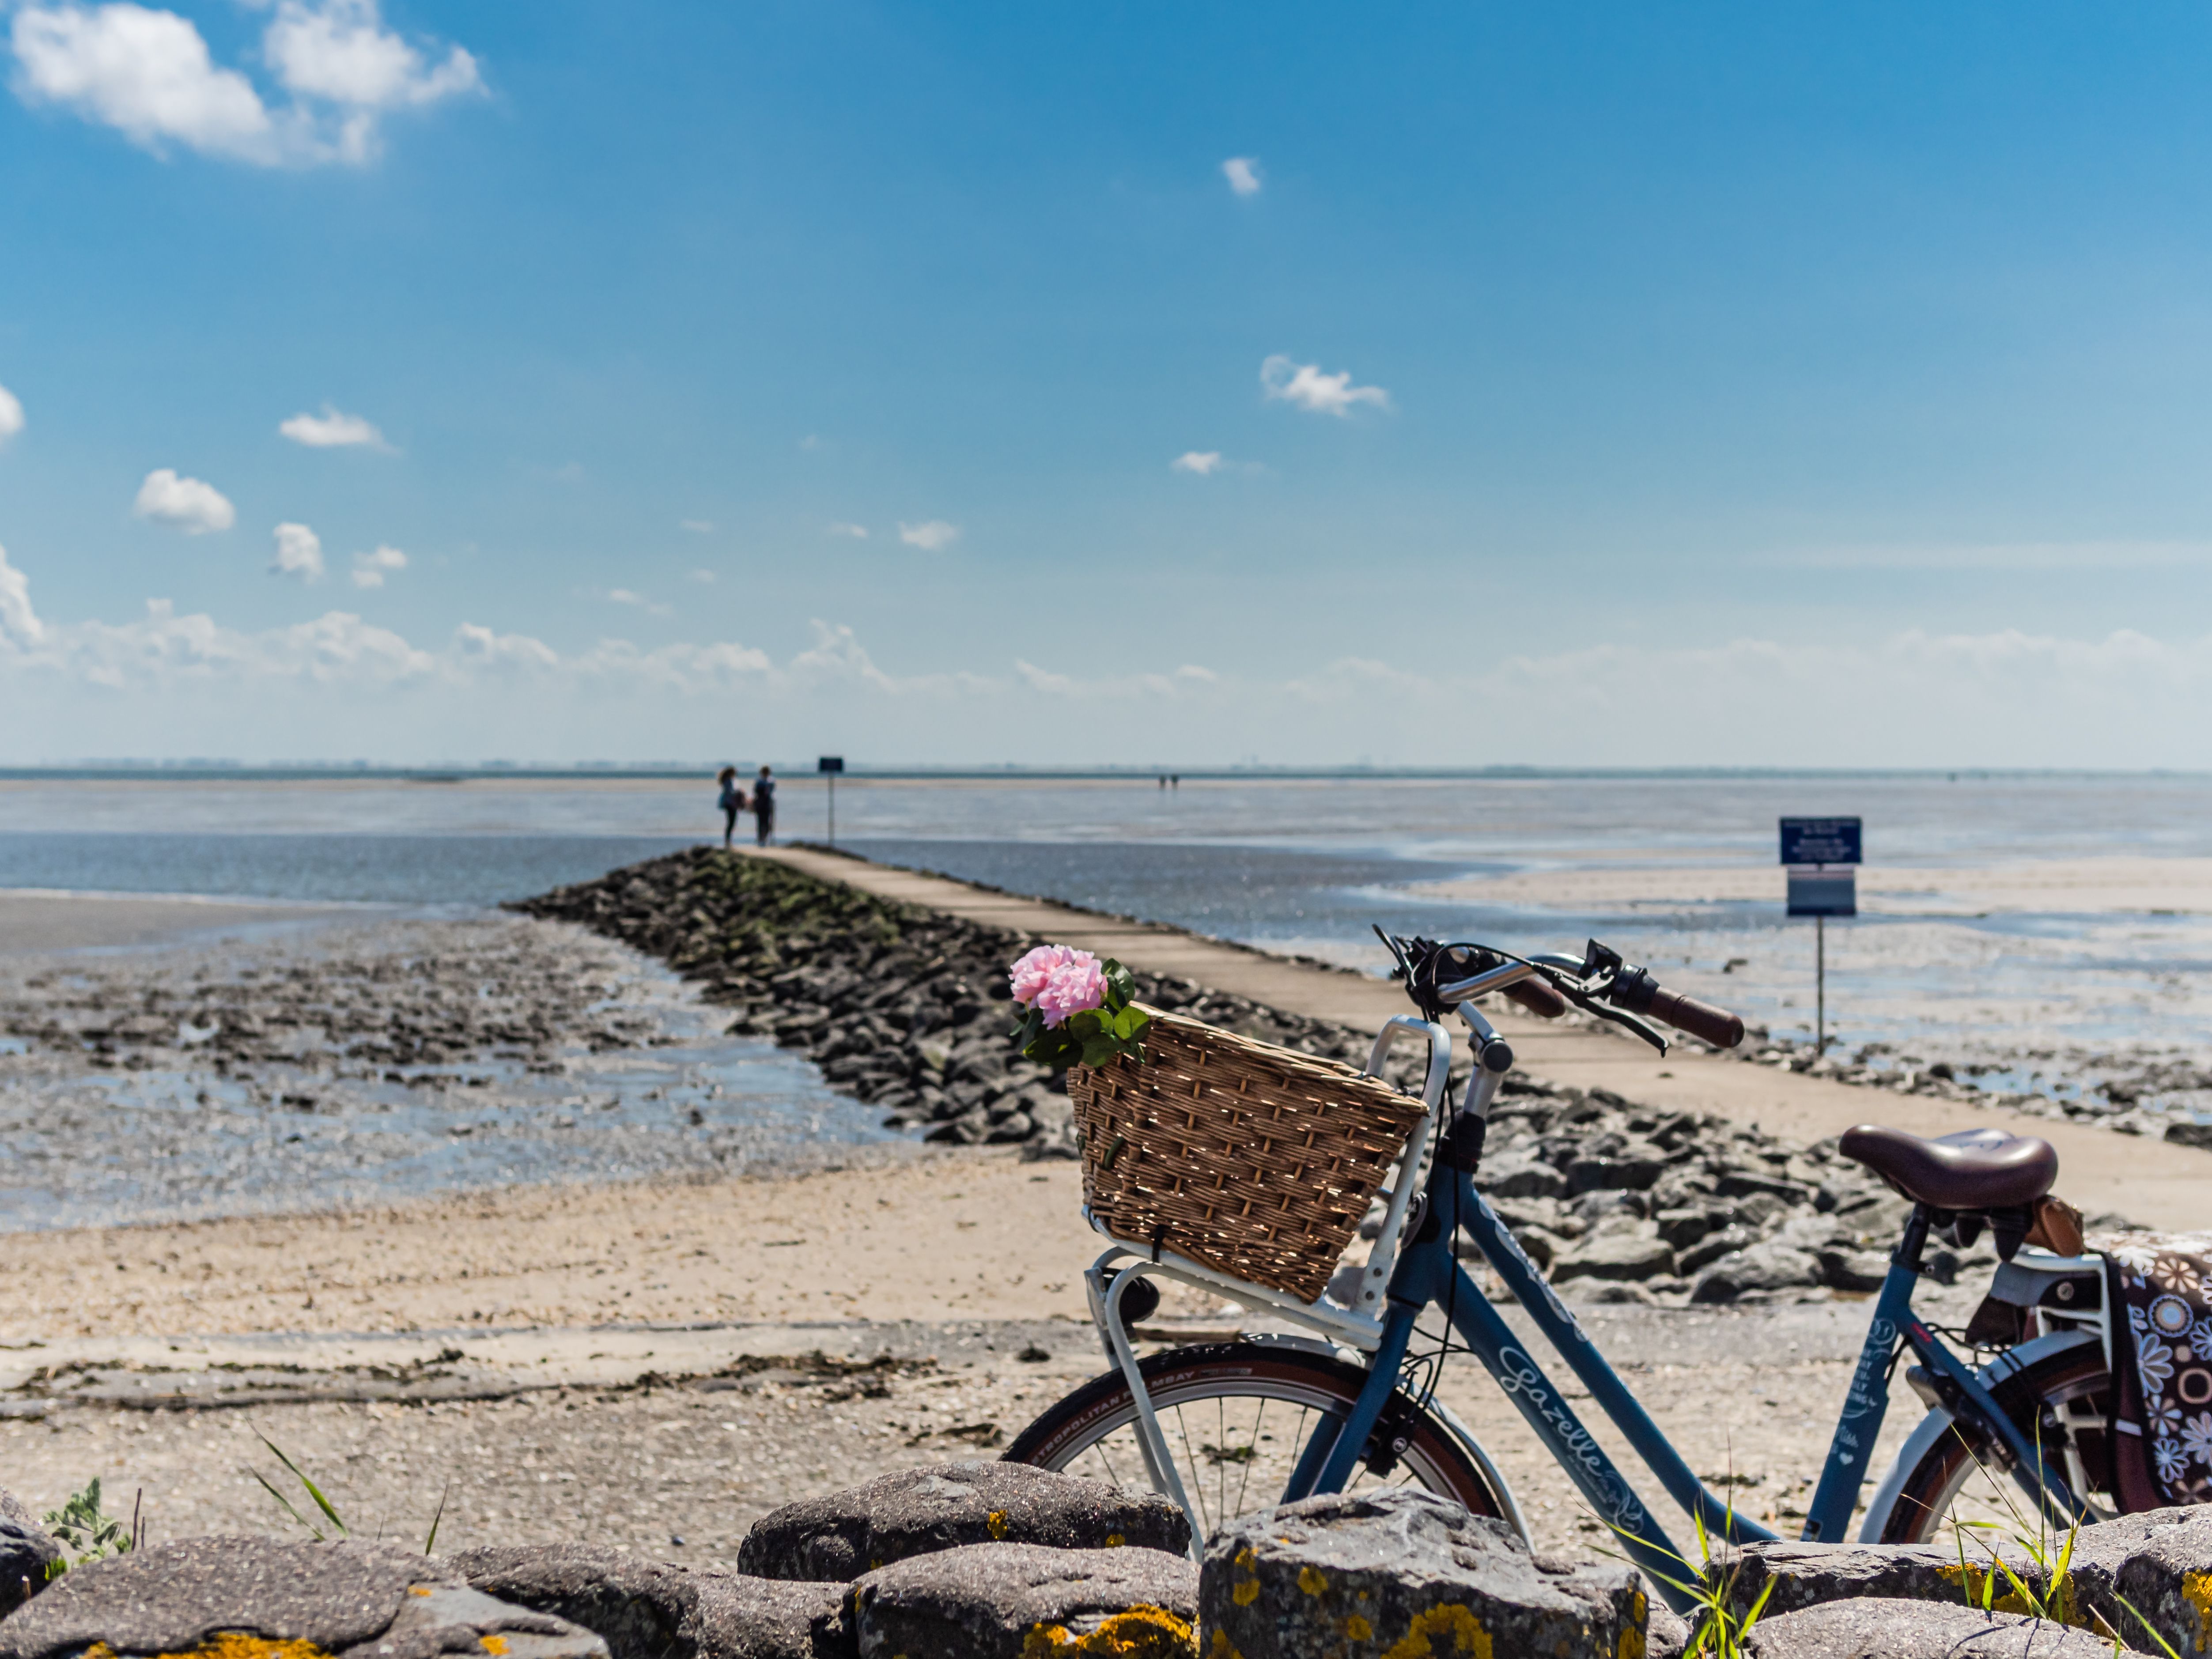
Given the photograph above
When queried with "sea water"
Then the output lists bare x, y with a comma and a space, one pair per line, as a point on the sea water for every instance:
2045, 999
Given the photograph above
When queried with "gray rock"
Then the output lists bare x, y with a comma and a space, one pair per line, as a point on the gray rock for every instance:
2153, 1565
1761, 1268
1685, 1226
1712, 1247
27, 1550
1633, 1168
1845, 1268
1905, 1630
355, 1600
658, 1610
1019, 1601
1516, 1175
1614, 1253
946, 1505
1406, 1571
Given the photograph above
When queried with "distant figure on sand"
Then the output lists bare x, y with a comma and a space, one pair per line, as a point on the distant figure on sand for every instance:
731, 801
764, 806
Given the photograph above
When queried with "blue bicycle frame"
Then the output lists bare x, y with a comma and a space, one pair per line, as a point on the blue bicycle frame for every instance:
1428, 1274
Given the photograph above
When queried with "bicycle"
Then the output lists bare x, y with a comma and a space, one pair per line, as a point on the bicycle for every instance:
2037, 1414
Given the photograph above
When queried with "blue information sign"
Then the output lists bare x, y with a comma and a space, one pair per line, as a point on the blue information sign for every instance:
1820, 841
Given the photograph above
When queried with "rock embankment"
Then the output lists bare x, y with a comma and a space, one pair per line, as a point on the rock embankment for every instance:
907, 1009
902, 1008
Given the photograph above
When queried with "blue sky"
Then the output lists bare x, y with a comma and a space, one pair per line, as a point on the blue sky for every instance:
1732, 384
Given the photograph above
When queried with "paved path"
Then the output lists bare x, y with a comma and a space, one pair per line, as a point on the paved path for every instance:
2152, 1182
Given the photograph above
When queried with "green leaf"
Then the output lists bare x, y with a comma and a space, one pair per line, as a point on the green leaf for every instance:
1130, 1021
313, 1492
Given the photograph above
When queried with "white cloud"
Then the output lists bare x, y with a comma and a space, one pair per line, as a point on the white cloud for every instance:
625, 595
18, 623
931, 535
333, 429
857, 531
11, 414
1203, 462
148, 74
341, 51
1305, 386
478, 645
145, 73
1242, 173
369, 570
186, 504
696, 526
299, 553
707, 576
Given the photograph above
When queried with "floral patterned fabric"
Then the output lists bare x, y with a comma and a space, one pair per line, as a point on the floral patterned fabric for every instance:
2163, 1282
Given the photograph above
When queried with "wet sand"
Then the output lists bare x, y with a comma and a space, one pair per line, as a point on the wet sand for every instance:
34, 922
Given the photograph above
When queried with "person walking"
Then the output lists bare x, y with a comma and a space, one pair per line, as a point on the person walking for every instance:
764, 806
731, 801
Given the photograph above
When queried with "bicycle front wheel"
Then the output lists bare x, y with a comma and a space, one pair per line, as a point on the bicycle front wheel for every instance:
2057, 1391
1237, 1417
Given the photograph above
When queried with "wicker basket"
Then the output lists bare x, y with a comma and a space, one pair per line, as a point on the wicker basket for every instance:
1255, 1161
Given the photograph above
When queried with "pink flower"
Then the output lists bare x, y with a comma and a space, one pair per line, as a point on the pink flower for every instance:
1034, 972
1079, 983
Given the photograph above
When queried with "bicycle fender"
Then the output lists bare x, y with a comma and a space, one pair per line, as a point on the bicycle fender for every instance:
1934, 1427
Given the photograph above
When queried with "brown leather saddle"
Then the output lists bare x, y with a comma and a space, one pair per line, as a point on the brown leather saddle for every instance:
1974, 1170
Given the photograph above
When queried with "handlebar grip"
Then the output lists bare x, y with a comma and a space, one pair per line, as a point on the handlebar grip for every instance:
1538, 997
1700, 1019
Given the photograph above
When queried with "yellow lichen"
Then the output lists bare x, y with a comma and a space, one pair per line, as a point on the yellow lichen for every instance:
228, 1644
1142, 1632
2059, 1603
996, 1520
2196, 1590
493, 1643
1453, 1621
1311, 1582
1223, 1648
1245, 1592
1357, 1629
1114, 1541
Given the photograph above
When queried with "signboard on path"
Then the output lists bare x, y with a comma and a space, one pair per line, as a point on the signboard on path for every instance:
1820, 841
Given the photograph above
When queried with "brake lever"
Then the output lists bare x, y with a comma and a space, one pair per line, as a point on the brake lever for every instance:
1589, 996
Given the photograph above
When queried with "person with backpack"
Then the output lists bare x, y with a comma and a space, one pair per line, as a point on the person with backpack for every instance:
731, 801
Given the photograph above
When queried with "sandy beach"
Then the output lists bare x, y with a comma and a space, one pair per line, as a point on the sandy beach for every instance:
666, 1356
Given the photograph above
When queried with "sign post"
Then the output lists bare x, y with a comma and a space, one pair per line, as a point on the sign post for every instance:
1822, 855
830, 766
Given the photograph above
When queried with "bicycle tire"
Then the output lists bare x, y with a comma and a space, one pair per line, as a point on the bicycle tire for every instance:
2048, 1395
1072, 1434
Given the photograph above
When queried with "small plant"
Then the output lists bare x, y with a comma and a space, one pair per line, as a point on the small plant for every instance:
88, 1533
1720, 1631
1076, 1009
313, 1492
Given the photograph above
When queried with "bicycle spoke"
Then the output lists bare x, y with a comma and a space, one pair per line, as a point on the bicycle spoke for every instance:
1247, 1478
1222, 1445
1197, 1474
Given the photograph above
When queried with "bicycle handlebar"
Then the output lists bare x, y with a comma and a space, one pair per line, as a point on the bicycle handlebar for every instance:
1538, 997
1634, 989
1700, 1019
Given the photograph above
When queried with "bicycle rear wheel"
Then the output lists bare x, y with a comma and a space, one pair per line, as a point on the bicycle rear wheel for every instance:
1237, 1416
2057, 1390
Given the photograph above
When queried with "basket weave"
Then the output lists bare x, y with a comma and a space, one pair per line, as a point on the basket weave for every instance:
1255, 1161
